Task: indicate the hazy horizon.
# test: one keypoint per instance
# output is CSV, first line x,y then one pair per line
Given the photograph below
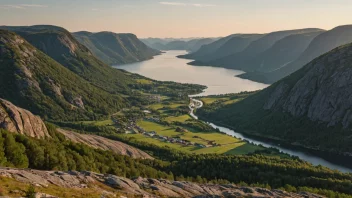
x,y
178,18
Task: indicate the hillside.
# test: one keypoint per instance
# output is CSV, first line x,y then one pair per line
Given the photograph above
x,y
238,60
321,44
311,107
171,173
209,48
99,142
282,52
196,44
116,49
61,46
234,45
32,80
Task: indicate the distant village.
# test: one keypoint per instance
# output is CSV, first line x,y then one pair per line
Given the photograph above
x,y
131,127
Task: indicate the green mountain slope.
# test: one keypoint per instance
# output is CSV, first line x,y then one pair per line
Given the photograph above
x,y
32,80
209,48
321,44
60,45
116,49
238,60
311,107
234,45
196,44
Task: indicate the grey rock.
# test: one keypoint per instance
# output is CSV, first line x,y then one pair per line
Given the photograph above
x,y
141,187
18,120
323,93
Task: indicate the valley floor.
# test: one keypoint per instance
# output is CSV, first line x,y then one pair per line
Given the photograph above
x,y
168,123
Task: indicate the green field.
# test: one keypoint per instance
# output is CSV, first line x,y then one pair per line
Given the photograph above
x,y
182,118
210,100
144,81
227,144
100,123
160,106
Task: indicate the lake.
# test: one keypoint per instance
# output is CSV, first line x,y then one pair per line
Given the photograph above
x,y
167,67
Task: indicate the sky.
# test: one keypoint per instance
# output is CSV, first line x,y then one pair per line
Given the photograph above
x,y
178,18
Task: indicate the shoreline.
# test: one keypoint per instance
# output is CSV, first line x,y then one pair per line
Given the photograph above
x,y
310,155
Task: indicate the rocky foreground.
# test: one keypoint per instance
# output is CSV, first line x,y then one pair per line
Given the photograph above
x,y
139,186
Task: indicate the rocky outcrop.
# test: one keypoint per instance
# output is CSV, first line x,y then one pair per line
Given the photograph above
x,y
18,120
321,91
105,144
141,186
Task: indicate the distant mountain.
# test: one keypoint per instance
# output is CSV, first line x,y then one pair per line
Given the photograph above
x,y
238,60
196,44
32,80
282,52
116,49
233,45
152,41
321,44
176,45
61,46
208,49
311,107
190,45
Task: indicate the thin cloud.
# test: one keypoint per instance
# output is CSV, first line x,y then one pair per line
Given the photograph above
x,y
186,4
22,6
203,5
173,3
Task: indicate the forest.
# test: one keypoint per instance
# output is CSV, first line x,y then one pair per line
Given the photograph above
x,y
257,169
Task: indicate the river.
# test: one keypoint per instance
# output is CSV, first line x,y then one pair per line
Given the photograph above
x,y
167,67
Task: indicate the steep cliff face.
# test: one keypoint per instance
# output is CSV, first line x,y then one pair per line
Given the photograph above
x,y
322,93
18,120
116,49
311,107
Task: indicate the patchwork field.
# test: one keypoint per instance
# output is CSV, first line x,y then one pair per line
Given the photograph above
x,y
181,126
168,124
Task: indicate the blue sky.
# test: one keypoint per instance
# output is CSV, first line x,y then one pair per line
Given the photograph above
x,y
178,18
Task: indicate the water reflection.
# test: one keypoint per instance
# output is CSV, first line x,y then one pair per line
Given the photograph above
x,y
167,67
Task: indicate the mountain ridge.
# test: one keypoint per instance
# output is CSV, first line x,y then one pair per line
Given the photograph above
x,y
321,44
116,49
32,80
60,45
314,98
237,60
